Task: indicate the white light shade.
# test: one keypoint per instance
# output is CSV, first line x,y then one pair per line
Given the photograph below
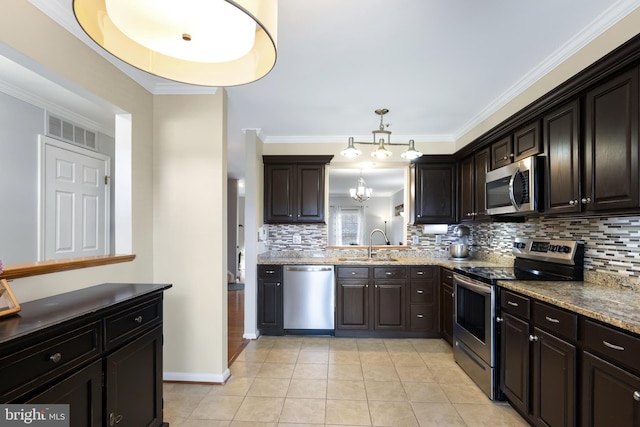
x,y
361,192
381,152
202,42
411,153
351,151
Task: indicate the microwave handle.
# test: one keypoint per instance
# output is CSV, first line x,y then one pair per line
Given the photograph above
x,y
511,194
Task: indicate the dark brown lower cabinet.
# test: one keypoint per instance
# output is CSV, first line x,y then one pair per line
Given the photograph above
x,y
514,372
554,380
610,394
446,305
270,314
353,304
389,303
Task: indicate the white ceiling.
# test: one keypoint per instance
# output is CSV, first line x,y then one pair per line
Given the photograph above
x,y
439,66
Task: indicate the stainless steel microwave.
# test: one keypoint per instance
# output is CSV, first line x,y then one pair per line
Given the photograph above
x,y
515,189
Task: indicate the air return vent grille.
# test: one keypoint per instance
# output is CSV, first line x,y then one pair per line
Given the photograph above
x,y
68,132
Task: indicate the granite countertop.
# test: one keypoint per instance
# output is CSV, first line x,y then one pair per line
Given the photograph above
x,y
615,306
442,262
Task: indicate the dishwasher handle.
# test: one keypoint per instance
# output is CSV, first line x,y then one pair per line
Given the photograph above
x,y
308,268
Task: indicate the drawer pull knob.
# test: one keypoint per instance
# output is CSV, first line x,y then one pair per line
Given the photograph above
x,y
636,396
353,273
278,284
270,271
551,319
114,419
613,346
420,273
419,316
55,358
138,319
420,291
499,319
513,304
533,338
388,273
449,276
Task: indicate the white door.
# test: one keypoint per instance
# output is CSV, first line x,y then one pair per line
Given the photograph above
x,y
74,201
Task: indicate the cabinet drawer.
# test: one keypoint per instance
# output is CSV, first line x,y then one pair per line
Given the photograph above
x,y
615,345
353,272
389,272
422,272
421,292
421,316
446,276
35,365
556,320
269,271
127,323
515,304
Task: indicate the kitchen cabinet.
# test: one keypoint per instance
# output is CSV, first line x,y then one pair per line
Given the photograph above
x,y
434,180
99,351
611,144
524,142
473,171
562,159
610,376
294,189
389,298
270,297
446,305
352,296
423,303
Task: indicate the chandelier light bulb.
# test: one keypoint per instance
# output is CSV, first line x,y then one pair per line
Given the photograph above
x,y
351,151
381,152
411,153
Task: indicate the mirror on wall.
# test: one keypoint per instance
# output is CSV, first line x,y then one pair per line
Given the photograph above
x,y
350,221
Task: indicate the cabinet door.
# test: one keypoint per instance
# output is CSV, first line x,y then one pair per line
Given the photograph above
x,y
133,382
608,394
270,304
435,193
446,312
501,152
279,191
482,163
526,141
554,381
353,304
611,145
562,158
310,193
82,391
467,186
514,373
389,305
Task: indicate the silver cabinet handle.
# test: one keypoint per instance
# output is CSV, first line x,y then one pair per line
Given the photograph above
x,y
138,319
419,216
449,276
613,346
353,273
499,319
55,358
420,291
270,271
636,396
388,273
278,284
586,200
514,304
453,295
533,338
420,273
419,316
505,158
551,319
114,419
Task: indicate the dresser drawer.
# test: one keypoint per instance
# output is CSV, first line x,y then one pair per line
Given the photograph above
x,y
611,343
515,304
353,272
269,271
390,272
421,292
556,320
129,322
37,364
446,276
421,316
422,272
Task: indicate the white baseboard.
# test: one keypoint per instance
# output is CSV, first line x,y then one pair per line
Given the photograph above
x,y
197,378
252,336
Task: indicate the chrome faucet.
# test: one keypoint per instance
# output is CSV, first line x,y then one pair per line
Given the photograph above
x,y
371,238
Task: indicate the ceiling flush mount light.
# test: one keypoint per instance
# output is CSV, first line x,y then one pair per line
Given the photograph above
x,y
361,192
200,42
381,138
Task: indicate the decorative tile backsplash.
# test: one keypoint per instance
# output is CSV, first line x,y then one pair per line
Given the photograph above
x,y
612,245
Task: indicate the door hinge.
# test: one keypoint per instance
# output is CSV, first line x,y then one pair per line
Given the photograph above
x,y
106,179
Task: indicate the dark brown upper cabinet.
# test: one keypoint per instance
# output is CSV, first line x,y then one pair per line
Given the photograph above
x,y
611,144
434,183
524,142
294,189
562,159
473,174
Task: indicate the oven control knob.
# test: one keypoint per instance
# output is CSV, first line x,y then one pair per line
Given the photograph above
x,y
553,248
565,249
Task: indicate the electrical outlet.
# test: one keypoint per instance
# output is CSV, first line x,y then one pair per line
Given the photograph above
x,y
297,239
415,240
438,239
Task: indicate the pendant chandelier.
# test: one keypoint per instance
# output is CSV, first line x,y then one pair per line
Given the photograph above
x,y
361,192
200,42
381,138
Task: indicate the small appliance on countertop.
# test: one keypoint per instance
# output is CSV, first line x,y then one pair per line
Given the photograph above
x,y
460,250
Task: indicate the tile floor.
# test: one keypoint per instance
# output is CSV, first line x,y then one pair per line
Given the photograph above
x,y
316,381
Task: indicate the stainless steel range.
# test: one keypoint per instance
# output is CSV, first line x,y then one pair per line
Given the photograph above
x,y
476,302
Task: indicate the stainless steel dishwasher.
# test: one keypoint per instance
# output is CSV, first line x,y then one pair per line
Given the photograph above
x,y
308,299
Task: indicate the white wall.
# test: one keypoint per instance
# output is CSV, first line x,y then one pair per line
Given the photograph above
x,y
190,229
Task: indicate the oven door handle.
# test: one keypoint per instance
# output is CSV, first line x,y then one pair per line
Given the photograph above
x,y
480,288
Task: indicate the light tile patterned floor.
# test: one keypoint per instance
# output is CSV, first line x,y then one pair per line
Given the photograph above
x,y
316,381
